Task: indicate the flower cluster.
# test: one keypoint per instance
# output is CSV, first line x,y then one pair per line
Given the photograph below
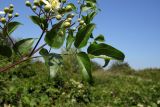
x,y
7,14
52,4
55,9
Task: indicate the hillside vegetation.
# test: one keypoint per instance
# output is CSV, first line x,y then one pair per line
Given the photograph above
x,y
119,86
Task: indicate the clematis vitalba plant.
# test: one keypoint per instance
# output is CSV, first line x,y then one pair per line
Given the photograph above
x,y
63,23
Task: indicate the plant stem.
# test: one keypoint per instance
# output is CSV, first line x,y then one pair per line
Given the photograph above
x,y
81,9
37,43
39,48
17,63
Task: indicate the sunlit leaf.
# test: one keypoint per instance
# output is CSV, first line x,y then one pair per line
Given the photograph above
x,y
100,38
83,36
104,49
70,40
11,27
24,46
85,64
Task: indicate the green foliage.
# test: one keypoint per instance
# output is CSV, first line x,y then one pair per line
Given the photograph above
x,y
121,68
83,36
41,22
24,46
55,38
28,85
70,40
5,51
150,73
124,90
100,38
104,49
88,19
70,62
96,66
85,64
11,27
72,23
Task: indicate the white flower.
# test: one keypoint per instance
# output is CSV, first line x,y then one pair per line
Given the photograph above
x,y
53,4
158,102
73,100
140,105
2,12
80,86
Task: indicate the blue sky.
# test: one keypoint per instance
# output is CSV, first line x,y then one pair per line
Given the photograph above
x,y
132,26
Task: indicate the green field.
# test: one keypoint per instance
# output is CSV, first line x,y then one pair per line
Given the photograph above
x,y
120,86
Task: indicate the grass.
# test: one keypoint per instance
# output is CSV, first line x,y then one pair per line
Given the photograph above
x,y
119,86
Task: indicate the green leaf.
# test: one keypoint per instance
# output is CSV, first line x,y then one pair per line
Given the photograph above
x,y
106,62
11,27
83,36
36,20
53,62
41,22
55,38
87,19
85,64
70,40
57,25
105,58
107,50
5,51
91,1
24,46
53,69
100,38
85,8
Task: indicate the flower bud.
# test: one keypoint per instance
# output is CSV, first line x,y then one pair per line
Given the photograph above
x,y
11,10
81,22
70,15
84,24
69,19
47,8
67,24
60,33
68,8
41,2
10,15
28,4
36,3
58,17
3,20
16,15
11,6
6,9
74,29
34,8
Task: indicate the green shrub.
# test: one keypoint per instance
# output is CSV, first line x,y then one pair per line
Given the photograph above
x,y
149,73
120,68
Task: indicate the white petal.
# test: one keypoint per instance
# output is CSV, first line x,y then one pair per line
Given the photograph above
x,y
2,12
46,2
